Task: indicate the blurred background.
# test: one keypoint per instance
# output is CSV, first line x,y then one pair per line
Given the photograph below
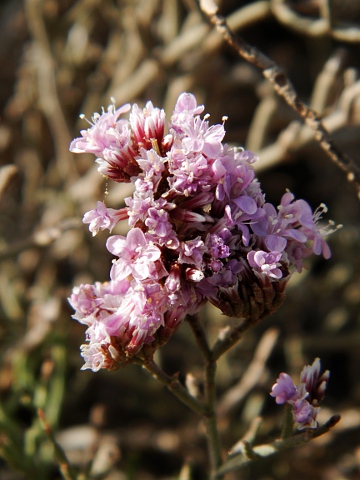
x,y
62,58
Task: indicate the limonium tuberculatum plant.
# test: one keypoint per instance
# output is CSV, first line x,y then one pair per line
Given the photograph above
x,y
200,231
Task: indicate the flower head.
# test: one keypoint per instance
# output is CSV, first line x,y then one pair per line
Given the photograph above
x,y
314,382
200,230
109,138
284,389
305,397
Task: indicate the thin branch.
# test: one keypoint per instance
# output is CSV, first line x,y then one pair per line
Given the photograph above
x,y
241,18
48,94
296,135
229,337
174,385
189,39
210,419
40,239
320,27
213,438
284,88
207,408
249,453
322,98
200,336
67,471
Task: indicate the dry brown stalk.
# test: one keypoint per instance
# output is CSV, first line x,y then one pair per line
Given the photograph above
x,y
282,85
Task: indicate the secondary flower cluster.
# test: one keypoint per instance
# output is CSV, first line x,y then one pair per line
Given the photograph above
x,y
305,397
200,230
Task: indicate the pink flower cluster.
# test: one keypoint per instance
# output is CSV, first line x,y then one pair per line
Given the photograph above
x,y
305,397
200,231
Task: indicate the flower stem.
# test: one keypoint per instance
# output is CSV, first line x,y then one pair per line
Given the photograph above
x,y
200,336
207,408
173,384
231,337
210,418
213,437
240,461
288,422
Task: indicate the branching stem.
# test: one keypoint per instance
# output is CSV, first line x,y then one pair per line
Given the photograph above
x,y
200,336
174,385
230,338
213,437
285,89
210,418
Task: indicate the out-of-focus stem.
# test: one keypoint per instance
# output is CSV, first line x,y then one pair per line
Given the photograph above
x,y
251,376
48,93
66,469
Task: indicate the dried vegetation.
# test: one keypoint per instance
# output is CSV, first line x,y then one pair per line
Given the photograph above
x,y
62,58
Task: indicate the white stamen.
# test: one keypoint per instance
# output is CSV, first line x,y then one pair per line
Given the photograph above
x,y
324,207
82,116
238,149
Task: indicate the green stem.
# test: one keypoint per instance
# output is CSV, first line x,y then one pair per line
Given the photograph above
x,y
288,422
200,336
231,337
264,451
173,384
206,409
213,437
210,418
66,470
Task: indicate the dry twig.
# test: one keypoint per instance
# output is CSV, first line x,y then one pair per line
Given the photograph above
x,y
320,27
285,89
48,95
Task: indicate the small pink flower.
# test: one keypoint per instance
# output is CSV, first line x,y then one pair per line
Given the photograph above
x,y
137,257
305,397
265,263
102,218
284,389
148,125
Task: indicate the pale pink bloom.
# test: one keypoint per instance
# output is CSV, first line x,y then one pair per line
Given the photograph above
x,y
265,263
102,218
200,230
305,397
